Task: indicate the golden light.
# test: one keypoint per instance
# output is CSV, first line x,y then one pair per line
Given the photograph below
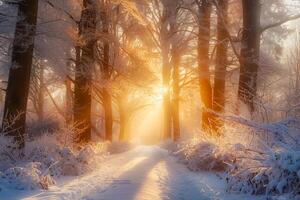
x,y
159,92
147,122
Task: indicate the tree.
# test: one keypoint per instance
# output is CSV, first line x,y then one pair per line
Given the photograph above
x,y
14,118
69,98
221,61
176,94
292,94
85,60
272,41
37,92
250,48
127,107
106,74
175,62
204,17
166,68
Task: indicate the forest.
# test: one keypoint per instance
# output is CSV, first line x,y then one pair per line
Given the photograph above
x,y
149,99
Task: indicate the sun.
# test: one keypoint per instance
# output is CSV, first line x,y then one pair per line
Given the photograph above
x,y
159,92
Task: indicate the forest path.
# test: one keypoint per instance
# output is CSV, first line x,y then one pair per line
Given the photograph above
x,y
144,173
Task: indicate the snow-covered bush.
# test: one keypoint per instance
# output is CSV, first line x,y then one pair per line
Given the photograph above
x,y
8,153
46,158
271,165
29,176
199,154
260,159
76,163
270,172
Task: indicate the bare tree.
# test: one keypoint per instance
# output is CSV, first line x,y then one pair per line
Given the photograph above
x,y
166,68
82,88
249,57
19,74
106,75
204,23
37,92
221,61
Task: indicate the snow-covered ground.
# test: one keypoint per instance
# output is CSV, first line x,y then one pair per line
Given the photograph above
x,y
144,173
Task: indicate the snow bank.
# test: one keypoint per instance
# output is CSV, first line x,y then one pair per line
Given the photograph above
x,y
29,176
258,159
271,173
45,159
203,155
271,165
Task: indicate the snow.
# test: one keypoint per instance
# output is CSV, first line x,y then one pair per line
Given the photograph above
x,y
202,155
143,173
257,159
43,161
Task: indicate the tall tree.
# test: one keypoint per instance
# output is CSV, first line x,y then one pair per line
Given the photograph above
x,y
249,56
37,92
69,97
106,74
250,50
175,62
123,119
204,17
14,118
166,68
176,94
221,61
82,87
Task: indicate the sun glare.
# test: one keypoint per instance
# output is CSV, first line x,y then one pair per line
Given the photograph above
x,y
159,92
148,125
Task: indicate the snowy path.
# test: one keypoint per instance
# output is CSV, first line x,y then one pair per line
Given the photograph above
x,y
145,173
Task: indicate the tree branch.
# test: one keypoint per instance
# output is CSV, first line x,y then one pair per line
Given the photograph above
x,y
263,29
64,11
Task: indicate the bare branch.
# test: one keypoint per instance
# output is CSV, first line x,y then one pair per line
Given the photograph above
x,y
263,29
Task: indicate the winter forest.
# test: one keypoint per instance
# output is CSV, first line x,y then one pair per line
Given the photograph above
x,y
149,99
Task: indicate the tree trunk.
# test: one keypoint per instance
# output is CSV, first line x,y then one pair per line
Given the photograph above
x,y
68,101
176,96
14,118
107,104
36,91
69,96
203,63
249,58
107,100
122,122
41,93
221,62
82,95
166,73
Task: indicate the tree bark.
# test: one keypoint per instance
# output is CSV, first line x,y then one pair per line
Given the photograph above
x,y
68,101
166,73
36,91
82,95
221,62
176,96
14,118
107,104
107,100
249,58
122,136
41,93
203,62
69,95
